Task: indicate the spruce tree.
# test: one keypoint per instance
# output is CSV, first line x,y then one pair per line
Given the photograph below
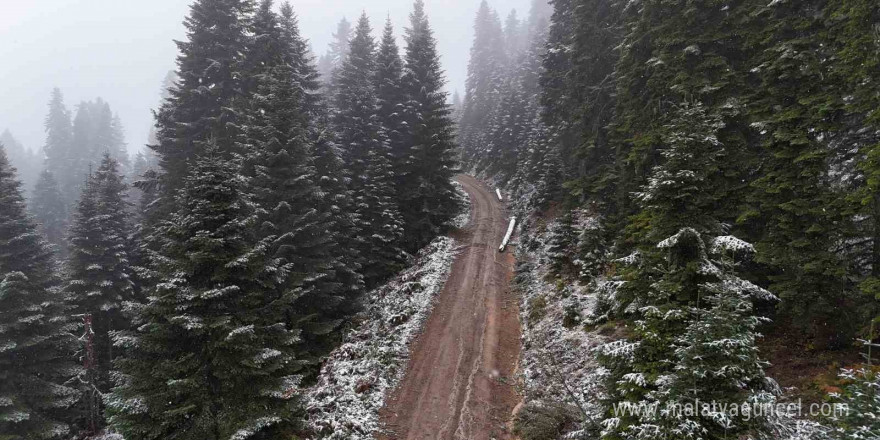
x,y
683,279
485,70
300,231
389,92
366,154
852,37
36,341
213,356
342,283
303,62
59,136
199,109
24,160
507,134
99,272
792,208
330,63
428,200
583,126
50,211
856,407
561,244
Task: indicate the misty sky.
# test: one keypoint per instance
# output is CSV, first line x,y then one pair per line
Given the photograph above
x,y
121,49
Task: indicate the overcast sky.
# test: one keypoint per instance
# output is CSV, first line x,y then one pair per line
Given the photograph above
x,y
121,49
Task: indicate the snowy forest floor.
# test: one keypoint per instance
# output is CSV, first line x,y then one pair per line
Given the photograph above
x,y
560,376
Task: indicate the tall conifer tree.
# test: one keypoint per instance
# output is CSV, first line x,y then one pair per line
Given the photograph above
x,y
213,356
428,200
99,272
36,341
50,210
389,91
200,108
367,154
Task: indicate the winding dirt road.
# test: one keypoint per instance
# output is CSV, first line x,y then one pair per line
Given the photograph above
x,y
459,383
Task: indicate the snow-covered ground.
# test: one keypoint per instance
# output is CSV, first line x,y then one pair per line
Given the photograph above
x,y
557,363
357,376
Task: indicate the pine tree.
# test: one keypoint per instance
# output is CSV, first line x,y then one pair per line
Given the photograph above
x,y
213,356
590,106
99,272
507,134
366,154
428,200
514,39
36,344
856,407
137,195
355,104
854,40
50,211
79,159
95,131
342,283
345,283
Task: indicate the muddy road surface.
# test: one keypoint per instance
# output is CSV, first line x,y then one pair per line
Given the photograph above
x,y
460,380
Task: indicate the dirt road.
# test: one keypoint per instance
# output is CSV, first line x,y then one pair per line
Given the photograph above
x,y
459,383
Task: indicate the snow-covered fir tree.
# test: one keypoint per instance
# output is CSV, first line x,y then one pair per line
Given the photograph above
x,y
485,75
299,229
791,198
26,161
99,274
36,336
307,75
682,280
59,136
367,157
561,244
389,92
213,355
856,407
199,109
95,131
50,210
329,63
427,200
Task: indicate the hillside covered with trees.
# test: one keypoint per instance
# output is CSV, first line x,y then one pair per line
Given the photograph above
x,y
707,172
694,185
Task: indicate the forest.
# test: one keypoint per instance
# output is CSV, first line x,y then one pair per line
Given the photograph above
x,y
695,186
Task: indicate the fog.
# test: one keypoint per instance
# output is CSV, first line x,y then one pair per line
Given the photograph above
x,y
121,50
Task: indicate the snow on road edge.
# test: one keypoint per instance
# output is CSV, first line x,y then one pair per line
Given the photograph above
x,y
356,377
353,383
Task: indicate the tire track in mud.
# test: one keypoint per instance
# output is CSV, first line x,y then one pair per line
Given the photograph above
x,y
459,381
